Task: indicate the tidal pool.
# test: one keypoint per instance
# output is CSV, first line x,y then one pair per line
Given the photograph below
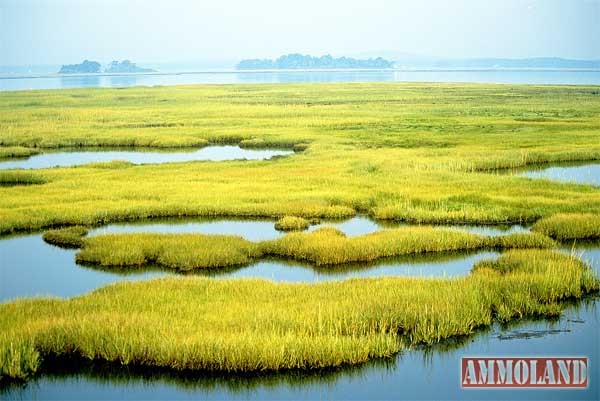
x,y
423,373
30,267
580,173
250,229
139,156
264,229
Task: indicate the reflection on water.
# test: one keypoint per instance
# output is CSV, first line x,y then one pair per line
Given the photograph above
x,y
140,156
250,77
261,229
438,264
580,173
424,373
250,229
30,267
489,230
359,225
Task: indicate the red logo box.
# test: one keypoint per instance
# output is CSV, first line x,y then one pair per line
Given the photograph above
x,y
544,372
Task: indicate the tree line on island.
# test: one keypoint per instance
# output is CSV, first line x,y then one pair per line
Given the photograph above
x,y
299,61
94,67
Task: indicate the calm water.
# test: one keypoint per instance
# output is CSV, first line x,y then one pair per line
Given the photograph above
x,y
74,158
580,173
30,267
236,77
420,374
260,230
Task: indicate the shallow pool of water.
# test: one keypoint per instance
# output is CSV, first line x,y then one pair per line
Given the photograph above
x,y
30,267
580,173
140,156
439,264
250,229
420,374
264,229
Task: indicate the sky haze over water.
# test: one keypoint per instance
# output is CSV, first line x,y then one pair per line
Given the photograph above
x,y
223,32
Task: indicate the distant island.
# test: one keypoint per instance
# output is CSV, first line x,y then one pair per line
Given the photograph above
x,y
87,67
299,61
125,66
94,67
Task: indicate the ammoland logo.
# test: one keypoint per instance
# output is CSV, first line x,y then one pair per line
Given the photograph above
x,y
544,372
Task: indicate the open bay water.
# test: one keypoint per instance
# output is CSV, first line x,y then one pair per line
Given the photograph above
x,y
570,77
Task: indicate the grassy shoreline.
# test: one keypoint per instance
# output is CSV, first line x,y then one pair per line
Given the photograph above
x,y
397,151
326,246
255,325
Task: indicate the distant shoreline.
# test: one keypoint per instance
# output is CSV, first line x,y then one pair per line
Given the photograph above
x,y
287,71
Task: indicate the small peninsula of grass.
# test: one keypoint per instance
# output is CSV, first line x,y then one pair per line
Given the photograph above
x,y
69,237
329,246
292,223
565,227
325,246
253,325
8,152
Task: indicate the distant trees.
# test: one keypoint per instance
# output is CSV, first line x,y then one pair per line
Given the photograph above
x,y
125,66
299,61
87,67
92,67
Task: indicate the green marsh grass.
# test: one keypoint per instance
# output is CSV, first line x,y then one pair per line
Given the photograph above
x,y
9,152
329,246
414,152
175,251
11,178
292,223
68,237
256,325
570,226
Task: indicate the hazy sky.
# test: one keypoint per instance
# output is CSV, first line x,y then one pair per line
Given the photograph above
x,y
67,31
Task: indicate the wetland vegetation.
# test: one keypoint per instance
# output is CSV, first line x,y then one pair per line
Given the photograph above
x,y
399,151
292,223
325,246
255,325
412,153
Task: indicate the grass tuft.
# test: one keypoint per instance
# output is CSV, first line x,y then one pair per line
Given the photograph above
x,y
292,223
12,178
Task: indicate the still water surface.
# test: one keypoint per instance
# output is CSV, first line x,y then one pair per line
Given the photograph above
x,y
580,173
30,267
139,156
299,76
